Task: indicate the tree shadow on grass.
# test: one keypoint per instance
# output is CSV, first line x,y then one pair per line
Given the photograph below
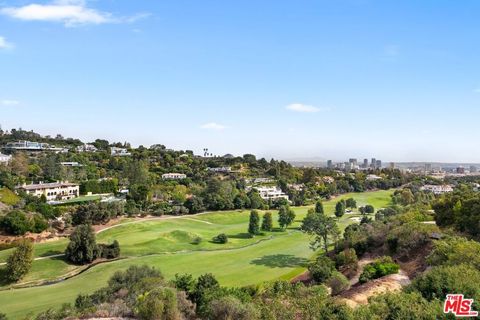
x,y
281,261
240,236
3,277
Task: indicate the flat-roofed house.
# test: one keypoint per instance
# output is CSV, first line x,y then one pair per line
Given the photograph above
x,y
5,159
271,193
119,152
52,191
173,176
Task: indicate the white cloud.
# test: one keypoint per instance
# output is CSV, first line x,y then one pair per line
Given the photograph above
x,y
213,126
9,102
69,12
4,44
299,107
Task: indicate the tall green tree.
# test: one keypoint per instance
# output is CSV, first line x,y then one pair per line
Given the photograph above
x,y
82,248
20,262
267,223
319,207
351,203
286,216
254,224
340,209
321,227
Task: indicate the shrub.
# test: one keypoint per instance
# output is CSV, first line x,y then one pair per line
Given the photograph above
x,y
231,308
20,262
221,238
109,251
379,268
160,303
321,269
346,259
338,283
369,209
196,240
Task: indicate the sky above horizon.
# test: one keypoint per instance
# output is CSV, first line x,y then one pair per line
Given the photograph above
x,y
395,80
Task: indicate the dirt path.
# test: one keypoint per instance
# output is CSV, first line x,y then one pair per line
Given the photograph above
x,y
359,293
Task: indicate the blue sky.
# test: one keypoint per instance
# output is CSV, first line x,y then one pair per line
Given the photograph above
x,y
396,80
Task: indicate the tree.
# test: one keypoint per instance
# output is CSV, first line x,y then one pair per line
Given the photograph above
x,y
286,216
321,226
256,202
20,262
267,223
82,248
369,209
351,203
319,207
338,283
340,209
254,224
194,204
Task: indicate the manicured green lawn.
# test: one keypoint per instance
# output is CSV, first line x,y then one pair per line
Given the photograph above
x,y
167,245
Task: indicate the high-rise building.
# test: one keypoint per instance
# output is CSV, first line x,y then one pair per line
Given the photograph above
x,y
365,163
428,167
392,165
378,164
329,164
373,163
353,161
460,170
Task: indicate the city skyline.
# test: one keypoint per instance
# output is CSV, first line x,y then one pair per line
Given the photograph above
x,y
319,79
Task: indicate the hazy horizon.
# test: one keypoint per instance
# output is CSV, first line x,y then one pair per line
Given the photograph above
x,y
318,79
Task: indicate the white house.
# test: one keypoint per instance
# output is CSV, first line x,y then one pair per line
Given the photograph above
x,y
173,176
271,193
373,177
31,146
87,148
220,169
5,159
114,151
437,189
52,191
71,164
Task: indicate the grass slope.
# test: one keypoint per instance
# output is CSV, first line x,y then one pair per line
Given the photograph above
x,y
167,245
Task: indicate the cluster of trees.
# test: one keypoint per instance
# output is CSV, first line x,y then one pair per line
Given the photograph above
x,y
83,247
142,292
286,216
459,210
97,212
17,222
201,190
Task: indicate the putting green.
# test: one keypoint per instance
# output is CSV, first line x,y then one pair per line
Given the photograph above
x,y
167,244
